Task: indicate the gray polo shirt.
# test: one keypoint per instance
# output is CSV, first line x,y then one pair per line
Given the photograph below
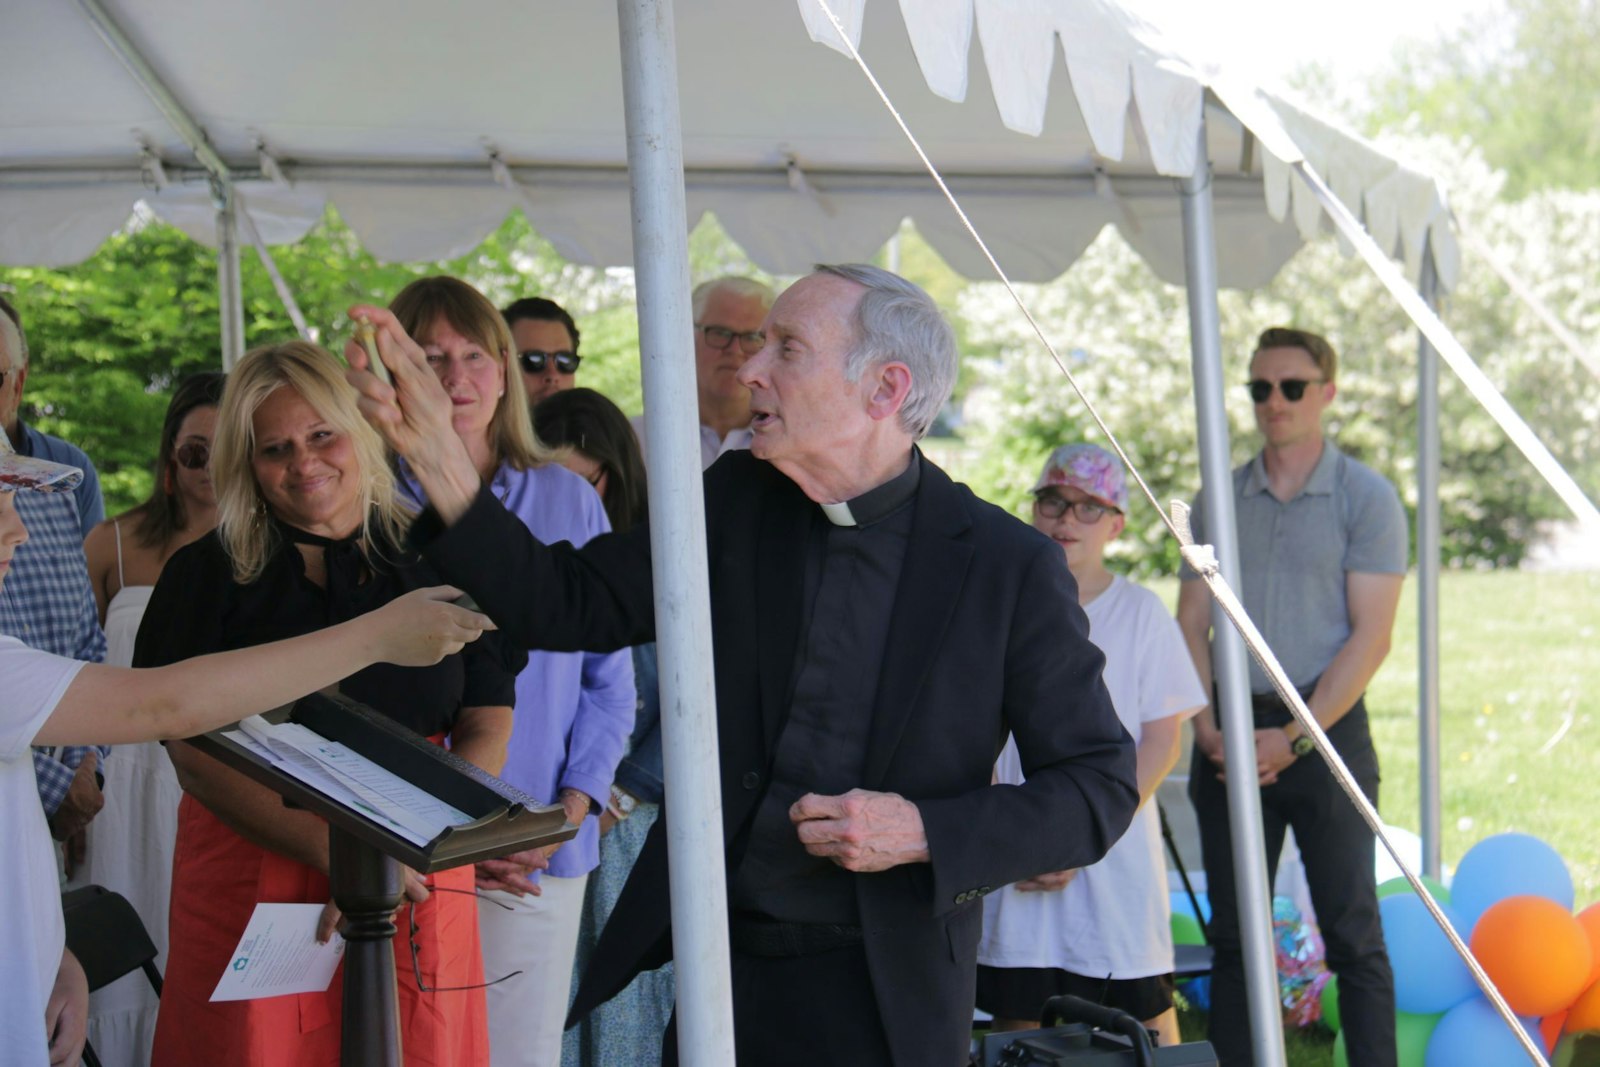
x,y
1295,555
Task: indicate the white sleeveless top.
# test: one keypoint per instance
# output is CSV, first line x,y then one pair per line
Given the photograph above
x,y
130,847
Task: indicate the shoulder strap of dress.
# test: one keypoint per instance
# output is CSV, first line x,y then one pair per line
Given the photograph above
x,y
116,528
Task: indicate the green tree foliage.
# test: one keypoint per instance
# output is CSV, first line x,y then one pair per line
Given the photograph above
x,y
1533,108
111,336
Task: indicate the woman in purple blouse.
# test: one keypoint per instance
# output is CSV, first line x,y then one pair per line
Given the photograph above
x,y
574,710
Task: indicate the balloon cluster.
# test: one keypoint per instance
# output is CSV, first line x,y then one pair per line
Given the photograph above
x,y
1512,900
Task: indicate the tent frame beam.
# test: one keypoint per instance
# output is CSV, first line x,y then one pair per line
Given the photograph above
x,y
1084,184
230,289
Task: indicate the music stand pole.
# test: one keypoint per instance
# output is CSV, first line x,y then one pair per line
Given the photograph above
x,y
367,889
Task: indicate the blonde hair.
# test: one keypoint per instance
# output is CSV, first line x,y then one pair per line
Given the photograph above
x,y
241,510
470,314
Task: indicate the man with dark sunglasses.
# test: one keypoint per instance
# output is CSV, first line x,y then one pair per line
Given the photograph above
x,y
1323,553
49,601
547,346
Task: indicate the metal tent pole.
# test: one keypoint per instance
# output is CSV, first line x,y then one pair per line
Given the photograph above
x,y
1428,542
677,532
1229,664
230,289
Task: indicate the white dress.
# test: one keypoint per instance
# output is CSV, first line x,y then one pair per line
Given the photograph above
x,y
130,850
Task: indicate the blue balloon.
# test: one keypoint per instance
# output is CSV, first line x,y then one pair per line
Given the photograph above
x,y
1472,1034
1428,975
1508,865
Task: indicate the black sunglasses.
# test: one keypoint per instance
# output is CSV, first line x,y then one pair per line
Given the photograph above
x,y
1292,388
192,455
533,361
416,950
720,337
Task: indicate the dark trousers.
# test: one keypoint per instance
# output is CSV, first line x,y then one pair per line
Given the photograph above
x,y
1337,849
801,1011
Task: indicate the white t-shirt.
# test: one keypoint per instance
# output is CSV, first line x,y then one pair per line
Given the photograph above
x,y
31,933
1114,917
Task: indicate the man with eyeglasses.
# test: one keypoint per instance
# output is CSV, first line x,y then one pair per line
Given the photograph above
x,y
48,602
1323,553
547,346
728,313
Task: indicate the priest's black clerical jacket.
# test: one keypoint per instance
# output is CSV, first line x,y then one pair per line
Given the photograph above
x,y
985,638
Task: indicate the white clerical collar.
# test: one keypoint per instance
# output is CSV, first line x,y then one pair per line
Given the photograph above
x,y
876,504
839,514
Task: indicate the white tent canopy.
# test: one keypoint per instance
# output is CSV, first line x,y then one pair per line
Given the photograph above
x,y
424,125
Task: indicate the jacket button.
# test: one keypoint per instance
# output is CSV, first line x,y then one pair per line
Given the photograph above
x,y
750,780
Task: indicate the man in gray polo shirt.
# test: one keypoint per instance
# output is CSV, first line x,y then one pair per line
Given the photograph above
x,y
1322,551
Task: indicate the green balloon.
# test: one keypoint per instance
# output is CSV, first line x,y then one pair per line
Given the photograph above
x,y
1400,885
1411,1034
1330,1003
1186,930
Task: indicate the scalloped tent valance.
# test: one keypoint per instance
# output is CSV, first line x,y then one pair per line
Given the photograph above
x,y
425,125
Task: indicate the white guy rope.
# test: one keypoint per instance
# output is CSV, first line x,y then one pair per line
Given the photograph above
x,y
1203,560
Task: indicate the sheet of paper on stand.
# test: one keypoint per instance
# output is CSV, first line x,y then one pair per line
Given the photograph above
x,y
350,778
279,953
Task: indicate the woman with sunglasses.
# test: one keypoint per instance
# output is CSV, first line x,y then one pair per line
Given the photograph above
x,y
574,710
310,532
128,847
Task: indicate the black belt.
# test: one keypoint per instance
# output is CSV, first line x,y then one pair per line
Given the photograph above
x,y
1270,710
769,938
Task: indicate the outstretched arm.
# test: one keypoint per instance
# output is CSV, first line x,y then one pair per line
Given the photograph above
x,y
117,705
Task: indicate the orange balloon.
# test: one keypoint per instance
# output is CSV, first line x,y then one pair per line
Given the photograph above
x,y
1550,1029
1589,919
1536,953
1584,1015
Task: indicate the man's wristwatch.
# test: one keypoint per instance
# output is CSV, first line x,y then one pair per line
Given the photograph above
x,y
622,802
1302,745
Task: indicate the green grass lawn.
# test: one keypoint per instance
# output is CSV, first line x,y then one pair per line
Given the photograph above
x,y
1519,680
1520,741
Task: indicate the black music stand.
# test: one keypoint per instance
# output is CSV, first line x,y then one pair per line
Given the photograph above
x,y
364,857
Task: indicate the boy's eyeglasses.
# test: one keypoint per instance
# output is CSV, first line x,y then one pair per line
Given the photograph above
x,y
416,950
1052,506
1291,388
533,360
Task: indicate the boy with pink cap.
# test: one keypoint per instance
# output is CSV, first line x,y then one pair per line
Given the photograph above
x,y
1103,932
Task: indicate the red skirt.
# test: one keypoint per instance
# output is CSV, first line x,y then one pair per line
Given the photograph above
x,y
218,878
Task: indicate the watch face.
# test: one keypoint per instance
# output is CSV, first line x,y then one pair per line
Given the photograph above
x,y
1303,745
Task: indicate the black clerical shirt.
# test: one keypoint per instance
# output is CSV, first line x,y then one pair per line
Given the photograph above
x,y
851,576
